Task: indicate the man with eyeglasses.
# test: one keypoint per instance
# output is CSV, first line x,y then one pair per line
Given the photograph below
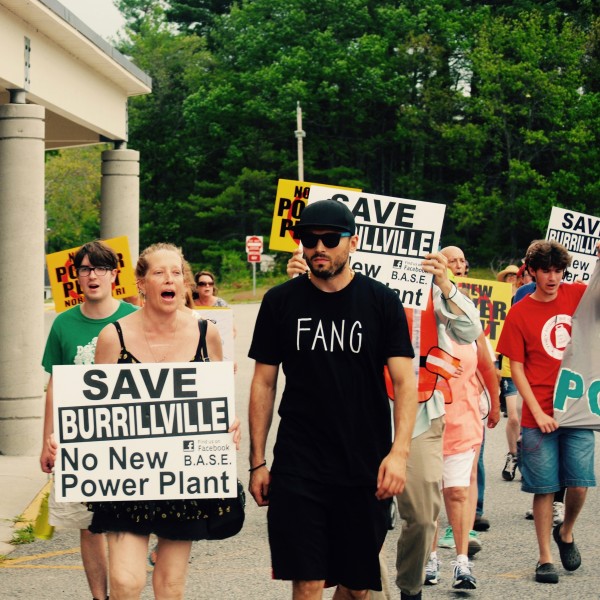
x,y
335,467
72,341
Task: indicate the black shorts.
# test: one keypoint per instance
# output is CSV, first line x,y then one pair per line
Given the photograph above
x,y
326,532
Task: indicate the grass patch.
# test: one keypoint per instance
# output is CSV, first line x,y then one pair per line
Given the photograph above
x,y
19,519
240,294
481,273
23,535
243,293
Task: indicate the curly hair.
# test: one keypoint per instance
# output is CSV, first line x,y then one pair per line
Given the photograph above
x,y
544,254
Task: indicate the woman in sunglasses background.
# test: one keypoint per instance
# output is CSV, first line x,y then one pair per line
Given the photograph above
x,y
206,291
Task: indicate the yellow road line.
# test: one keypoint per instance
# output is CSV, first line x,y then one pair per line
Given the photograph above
x,y
515,574
23,559
61,567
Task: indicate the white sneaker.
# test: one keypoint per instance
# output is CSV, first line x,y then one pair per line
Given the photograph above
x,y
432,571
558,513
510,467
463,578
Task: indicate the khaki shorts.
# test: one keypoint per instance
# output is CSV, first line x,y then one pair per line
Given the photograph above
x,y
68,515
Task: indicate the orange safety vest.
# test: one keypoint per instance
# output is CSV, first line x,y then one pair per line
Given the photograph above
x,y
436,366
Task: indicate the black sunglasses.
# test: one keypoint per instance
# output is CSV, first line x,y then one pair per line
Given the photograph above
x,y
205,283
330,240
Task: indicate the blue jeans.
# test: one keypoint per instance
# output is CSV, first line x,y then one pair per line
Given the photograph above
x,y
563,458
480,479
508,387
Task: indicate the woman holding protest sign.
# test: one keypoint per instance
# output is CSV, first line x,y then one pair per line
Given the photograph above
x,y
159,333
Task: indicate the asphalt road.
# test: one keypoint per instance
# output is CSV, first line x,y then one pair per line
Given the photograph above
x,y
239,568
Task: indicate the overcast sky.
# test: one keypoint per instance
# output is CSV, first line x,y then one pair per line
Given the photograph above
x,y
99,15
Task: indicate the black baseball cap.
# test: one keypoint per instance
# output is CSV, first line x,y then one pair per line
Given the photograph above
x,y
326,214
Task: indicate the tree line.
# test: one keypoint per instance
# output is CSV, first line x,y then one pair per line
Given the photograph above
x,y
491,108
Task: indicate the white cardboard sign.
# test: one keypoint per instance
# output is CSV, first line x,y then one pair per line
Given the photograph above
x,y
578,233
394,235
144,431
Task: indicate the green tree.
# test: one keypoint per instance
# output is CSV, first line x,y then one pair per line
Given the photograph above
x,y
196,16
491,111
169,172
140,16
527,132
72,197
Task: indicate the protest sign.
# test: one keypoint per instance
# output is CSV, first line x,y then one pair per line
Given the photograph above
x,y
492,298
144,431
222,317
577,389
394,235
63,277
292,197
578,233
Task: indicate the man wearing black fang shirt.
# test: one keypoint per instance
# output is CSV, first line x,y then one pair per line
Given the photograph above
x,y
336,466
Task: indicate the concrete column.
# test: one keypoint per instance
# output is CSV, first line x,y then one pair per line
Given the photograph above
x,y
120,197
22,133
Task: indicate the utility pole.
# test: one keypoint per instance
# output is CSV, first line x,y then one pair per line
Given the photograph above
x,y
300,133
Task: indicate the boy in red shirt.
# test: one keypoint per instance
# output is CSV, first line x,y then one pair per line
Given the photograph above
x,y
535,334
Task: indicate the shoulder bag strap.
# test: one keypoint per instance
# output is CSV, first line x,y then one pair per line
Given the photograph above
x,y
202,352
119,333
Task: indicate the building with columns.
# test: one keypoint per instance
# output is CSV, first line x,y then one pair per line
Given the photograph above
x,y
61,85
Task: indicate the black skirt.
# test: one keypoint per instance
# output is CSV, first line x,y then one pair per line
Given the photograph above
x,y
169,519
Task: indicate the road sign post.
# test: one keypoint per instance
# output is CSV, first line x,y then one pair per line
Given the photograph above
x,y
254,246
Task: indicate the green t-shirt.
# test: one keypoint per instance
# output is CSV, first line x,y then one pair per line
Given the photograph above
x,y
73,336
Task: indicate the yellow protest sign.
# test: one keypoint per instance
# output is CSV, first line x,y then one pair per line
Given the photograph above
x,y
492,298
292,197
63,277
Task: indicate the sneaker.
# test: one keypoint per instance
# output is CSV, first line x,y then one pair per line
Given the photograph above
x,y
546,573
447,540
529,514
510,467
474,543
558,513
432,571
481,523
463,578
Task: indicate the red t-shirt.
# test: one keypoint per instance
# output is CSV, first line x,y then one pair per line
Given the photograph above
x,y
536,333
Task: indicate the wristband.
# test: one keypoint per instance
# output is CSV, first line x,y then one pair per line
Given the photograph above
x,y
451,294
264,464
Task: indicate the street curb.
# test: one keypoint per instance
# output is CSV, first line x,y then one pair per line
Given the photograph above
x,y
29,516
31,512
